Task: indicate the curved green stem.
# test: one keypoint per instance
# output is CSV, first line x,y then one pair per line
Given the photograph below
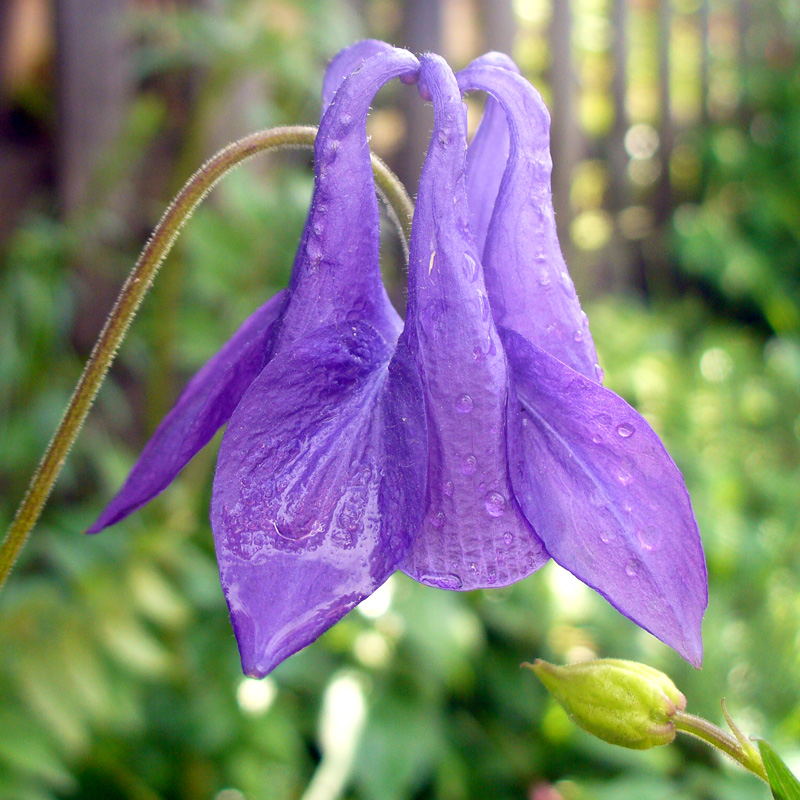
x,y
716,737
133,292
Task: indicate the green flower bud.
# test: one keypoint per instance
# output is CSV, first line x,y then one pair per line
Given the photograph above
x,y
621,702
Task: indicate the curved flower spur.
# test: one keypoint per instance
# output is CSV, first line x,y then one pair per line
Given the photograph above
x,y
350,453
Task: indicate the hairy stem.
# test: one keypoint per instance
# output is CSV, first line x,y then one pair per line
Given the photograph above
x,y
716,737
135,288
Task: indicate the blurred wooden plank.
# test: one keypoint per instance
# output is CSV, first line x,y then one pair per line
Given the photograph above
x,y
95,84
421,32
499,25
663,198
566,140
619,265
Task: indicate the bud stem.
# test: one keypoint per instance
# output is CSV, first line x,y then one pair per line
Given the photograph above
x,y
135,288
716,737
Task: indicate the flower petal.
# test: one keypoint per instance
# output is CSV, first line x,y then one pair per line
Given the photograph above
x,y
319,488
487,156
529,287
336,276
336,273
473,534
605,497
346,61
204,405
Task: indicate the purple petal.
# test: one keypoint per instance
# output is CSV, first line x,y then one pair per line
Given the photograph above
x,y
346,61
473,534
319,488
529,287
336,273
605,497
487,156
204,406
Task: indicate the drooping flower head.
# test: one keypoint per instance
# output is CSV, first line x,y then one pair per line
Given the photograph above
x,y
464,447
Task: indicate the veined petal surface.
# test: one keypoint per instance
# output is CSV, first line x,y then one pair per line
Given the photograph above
x,y
473,534
204,406
605,497
336,274
346,61
321,475
487,156
319,488
529,287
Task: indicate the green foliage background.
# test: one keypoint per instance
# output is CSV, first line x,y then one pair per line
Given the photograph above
x,y
119,676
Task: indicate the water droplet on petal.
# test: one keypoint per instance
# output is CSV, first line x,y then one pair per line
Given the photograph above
x,y
597,438
508,537
450,581
632,567
599,374
544,279
606,537
495,504
625,430
464,404
438,519
470,267
492,575
469,465
649,537
578,336
624,477
448,489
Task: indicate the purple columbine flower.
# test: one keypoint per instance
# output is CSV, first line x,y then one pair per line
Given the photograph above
x,y
465,447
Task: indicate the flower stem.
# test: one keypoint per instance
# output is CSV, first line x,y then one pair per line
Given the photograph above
x,y
716,737
135,288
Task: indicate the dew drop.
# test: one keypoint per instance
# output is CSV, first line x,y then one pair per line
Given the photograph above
x,y
625,430
597,438
508,537
544,279
624,477
578,336
599,374
470,267
450,581
495,504
448,489
632,567
649,537
464,404
469,465
473,567
437,520
606,537
491,575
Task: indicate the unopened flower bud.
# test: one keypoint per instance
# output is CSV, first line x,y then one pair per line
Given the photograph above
x,y
621,702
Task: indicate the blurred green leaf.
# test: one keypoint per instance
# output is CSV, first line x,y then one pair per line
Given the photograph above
x,y
783,783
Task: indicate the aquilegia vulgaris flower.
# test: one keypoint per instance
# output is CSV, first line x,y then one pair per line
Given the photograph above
x,y
464,446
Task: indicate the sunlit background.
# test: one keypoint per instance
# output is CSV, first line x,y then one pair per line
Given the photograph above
x,y
676,137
